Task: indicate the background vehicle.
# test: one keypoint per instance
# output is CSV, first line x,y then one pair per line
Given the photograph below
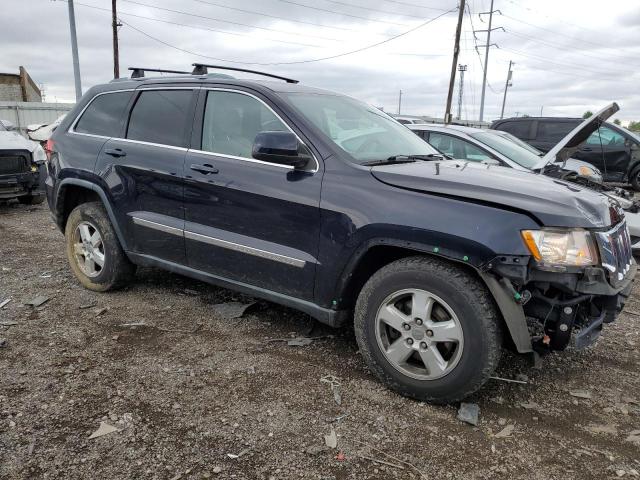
x,y
613,150
318,201
407,119
22,170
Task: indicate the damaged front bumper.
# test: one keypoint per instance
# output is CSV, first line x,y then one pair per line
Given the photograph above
x,y
24,183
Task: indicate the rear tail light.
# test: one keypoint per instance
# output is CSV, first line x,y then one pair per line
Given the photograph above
x,y
48,148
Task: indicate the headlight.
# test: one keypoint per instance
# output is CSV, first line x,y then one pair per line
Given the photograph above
x,y
39,155
589,172
557,249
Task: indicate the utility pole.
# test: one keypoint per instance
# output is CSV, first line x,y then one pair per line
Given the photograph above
x,y
399,102
74,50
114,26
461,69
456,51
507,84
486,55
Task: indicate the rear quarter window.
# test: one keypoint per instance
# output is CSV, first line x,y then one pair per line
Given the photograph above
x,y
551,131
103,116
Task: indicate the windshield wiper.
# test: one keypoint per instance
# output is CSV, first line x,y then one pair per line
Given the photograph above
x,y
396,159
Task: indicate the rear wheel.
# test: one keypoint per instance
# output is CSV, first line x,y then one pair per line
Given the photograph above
x,y
634,179
428,329
93,249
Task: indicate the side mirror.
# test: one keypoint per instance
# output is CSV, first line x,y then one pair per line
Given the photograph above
x,y
280,147
490,161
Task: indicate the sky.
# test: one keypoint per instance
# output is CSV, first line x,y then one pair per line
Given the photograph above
x,y
569,56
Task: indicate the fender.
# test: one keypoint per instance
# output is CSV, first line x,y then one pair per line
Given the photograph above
x,y
103,197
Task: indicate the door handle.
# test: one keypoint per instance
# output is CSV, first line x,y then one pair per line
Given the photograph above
x,y
205,169
115,152
587,149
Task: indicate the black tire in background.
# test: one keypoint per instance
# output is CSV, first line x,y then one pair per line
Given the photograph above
x,y
117,270
473,306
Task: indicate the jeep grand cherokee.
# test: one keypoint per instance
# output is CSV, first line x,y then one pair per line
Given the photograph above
x,y
320,202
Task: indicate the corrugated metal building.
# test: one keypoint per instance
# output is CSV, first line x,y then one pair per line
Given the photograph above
x,y
22,114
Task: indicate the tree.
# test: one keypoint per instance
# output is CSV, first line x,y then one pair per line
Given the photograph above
x,y
587,114
634,126
617,122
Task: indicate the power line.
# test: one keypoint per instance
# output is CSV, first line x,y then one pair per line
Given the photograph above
x,y
387,12
196,27
407,4
227,21
253,12
291,2
344,54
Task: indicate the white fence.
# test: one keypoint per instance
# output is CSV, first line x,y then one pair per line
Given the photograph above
x,y
22,114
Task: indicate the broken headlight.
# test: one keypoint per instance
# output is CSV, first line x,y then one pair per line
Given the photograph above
x,y
39,155
591,173
556,249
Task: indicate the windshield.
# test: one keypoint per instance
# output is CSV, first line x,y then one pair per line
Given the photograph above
x,y
363,131
517,141
512,151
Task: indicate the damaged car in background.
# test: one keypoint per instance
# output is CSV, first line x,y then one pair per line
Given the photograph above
x,y
22,169
501,148
323,203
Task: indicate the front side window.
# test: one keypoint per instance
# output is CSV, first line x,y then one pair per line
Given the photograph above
x,y
457,148
161,116
232,121
364,132
605,136
103,116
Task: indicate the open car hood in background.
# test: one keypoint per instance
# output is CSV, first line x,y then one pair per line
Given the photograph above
x,y
572,141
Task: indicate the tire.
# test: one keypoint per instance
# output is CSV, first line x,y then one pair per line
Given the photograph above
x,y
31,199
116,269
459,299
634,179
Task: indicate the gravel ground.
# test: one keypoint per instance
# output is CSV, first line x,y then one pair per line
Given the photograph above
x,y
195,395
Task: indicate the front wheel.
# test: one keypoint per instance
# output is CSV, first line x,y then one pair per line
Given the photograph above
x,y
428,329
634,179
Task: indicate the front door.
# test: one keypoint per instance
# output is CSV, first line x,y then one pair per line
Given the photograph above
x,y
246,220
144,171
607,150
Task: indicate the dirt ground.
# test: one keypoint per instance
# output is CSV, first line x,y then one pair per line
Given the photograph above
x,y
195,395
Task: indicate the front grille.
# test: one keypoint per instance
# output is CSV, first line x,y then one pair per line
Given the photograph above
x,y
615,251
13,162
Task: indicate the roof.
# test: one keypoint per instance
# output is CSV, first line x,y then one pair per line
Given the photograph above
x,y
444,128
520,119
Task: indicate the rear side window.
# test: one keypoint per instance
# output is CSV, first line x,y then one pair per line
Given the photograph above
x,y
161,116
553,131
104,114
520,128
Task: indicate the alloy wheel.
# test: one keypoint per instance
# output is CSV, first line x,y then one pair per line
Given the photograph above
x,y
88,249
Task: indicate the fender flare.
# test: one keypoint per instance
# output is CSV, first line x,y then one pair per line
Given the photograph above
x,y
103,197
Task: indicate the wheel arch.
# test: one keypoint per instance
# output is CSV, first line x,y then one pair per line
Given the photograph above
x,y
75,191
381,252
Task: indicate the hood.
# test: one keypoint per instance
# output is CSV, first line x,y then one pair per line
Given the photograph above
x,y
572,141
552,202
15,141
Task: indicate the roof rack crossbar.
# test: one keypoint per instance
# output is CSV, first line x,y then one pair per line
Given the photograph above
x,y
201,69
138,72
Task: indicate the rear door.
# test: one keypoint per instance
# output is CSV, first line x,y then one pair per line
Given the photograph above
x,y
144,171
247,220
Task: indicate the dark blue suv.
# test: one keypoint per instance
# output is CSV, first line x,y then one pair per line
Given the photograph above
x,y
318,201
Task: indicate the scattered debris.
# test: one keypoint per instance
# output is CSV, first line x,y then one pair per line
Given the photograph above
x,y
334,383
32,445
341,457
4,302
8,323
133,325
233,456
230,310
468,413
316,449
505,432
45,275
530,405
3,342
608,429
37,301
410,465
586,394
88,305
216,470
522,377
337,397
331,440
104,429
509,380
299,342
100,311
189,291
377,460
251,370
634,437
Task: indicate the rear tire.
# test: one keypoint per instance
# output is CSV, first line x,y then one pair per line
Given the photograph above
x,y
31,199
634,179
93,249
454,344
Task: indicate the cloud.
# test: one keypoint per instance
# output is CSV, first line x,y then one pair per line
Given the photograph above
x,y
567,60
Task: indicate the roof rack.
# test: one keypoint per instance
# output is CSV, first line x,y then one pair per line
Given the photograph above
x,y
201,69
138,72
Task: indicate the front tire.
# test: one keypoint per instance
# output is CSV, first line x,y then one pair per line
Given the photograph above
x,y
93,249
634,179
428,329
